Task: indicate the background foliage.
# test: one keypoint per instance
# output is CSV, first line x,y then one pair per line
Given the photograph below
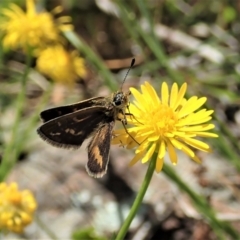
x,y
175,41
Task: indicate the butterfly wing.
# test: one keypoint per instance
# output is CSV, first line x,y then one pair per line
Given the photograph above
x,y
98,150
70,130
52,113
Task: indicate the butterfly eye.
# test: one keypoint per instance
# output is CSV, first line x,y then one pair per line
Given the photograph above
x,y
118,99
117,103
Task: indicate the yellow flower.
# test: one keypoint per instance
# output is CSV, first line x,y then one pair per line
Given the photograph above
x,y
60,65
16,208
163,125
30,29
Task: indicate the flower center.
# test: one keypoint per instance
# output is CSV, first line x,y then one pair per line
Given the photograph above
x,y
163,120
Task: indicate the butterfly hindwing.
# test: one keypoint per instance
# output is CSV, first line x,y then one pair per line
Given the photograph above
x,y
98,150
70,130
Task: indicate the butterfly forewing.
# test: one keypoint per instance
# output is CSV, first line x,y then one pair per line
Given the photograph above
x,y
70,130
53,113
98,150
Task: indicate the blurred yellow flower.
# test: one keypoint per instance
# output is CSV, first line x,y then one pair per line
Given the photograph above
x,y
163,125
60,65
31,29
16,208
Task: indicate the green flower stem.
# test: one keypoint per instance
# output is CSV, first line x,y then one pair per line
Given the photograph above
x,y
84,48
201,203
7,160
123,231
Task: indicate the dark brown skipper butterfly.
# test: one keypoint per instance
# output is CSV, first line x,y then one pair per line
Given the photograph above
x,y
68,126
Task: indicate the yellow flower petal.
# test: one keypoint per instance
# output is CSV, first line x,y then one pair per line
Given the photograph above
x,y
152,94
162,150
149,153
172,153
181,93
60,65
142,147
31,28
197,128
166,123
165,93
16,208
206,134
197,144
136,158
159,164
173,96
191,105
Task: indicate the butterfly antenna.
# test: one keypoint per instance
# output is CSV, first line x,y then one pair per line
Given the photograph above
x,y
132,63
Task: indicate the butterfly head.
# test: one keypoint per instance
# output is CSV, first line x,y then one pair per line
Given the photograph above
x,y
120,99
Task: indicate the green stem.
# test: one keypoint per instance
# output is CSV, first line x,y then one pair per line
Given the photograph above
x,y
123,231
7,161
